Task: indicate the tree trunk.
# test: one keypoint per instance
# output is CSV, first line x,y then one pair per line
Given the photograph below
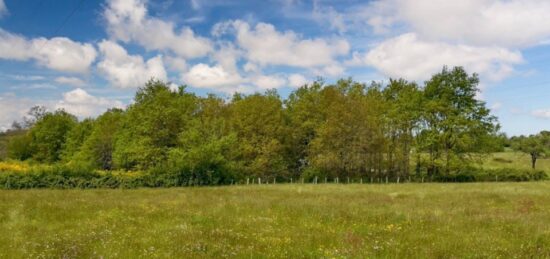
x,y
533,160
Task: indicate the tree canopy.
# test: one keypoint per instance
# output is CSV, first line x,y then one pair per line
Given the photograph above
x,y
345,129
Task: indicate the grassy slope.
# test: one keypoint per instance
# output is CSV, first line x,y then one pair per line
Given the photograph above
x,y
407,220
517,160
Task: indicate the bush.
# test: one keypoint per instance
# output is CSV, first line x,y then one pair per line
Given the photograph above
x,y
66,177
488,175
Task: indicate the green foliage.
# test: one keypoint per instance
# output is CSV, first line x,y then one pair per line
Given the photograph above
x,y
537,146
97,149
346,130
258,122
19,147
151,126
48,135
455,120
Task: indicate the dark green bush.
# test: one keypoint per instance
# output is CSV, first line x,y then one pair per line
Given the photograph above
x,y
64,177
491,175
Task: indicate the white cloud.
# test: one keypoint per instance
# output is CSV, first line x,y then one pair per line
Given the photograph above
x,y
329,15
213,77
73,81
268,82
227,56
3,8
175,63
126,71
14,108
59,53
415,59
296,80
507,23
82,104
264,45
541,113
127,20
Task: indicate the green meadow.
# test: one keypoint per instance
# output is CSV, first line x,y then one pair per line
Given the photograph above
x,y
430,220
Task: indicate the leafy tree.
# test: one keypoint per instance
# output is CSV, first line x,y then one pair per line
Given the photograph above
x,y
350,140
258,122
19,147
536,146
152,125
97,149
404,113
454,119
304,114
48,135
207,151
75,139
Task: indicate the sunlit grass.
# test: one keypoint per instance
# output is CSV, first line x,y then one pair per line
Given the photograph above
x,y
407,220
515,160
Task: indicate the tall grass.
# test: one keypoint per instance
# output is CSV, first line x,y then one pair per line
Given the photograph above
x,y
473,220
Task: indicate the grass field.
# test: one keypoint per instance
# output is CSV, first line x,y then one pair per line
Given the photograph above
x,y
322,221
515,160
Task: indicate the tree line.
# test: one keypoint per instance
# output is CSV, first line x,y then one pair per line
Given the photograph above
x,y
346,129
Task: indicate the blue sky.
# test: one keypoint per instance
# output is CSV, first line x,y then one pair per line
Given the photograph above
x,y
86,56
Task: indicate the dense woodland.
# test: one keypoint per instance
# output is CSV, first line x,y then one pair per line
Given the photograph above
x,y
342,130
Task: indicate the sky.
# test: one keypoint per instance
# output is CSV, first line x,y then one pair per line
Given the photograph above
x,y
86,56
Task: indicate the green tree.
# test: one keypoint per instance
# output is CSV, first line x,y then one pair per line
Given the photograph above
x,y
97,149
152,125
75,139
19,147
454,119
48,135
258,122
403,116
304,114
536,146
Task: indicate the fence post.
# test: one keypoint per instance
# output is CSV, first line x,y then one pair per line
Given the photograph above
x,y
259,180
386,179
398,179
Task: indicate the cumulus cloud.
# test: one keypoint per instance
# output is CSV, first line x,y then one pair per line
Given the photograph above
x,y
296,80
14,108
412,58
541,113
264,45
73,81
213,77
128,21
510,23
127,71
82,104
176,63
59,53
268,82
328,15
